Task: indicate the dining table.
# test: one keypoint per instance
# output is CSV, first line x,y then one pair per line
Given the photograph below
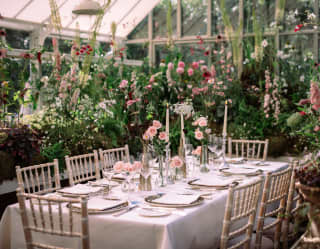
x,y
147,225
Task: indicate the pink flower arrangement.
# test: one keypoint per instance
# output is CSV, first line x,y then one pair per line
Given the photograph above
x,y
123,84
152,131
121,166
118,166
176,162
181,64
137,165
180,70
190,71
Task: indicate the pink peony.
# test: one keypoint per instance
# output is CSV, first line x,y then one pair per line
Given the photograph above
x,y
181,64
197,151
137,165
190,71
131,167
195,65
118,167
156,124
152,79
180,70
126,166
198,134
123,84
152,131
176,162
170,66
163,135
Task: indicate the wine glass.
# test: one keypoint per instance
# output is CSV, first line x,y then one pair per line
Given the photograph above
x,y
145,172
189,158
108,173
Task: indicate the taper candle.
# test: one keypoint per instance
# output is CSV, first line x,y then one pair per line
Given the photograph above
x,y
224,132
167,123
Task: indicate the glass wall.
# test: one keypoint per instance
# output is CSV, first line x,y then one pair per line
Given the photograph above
x,y
160,15
194,17
18,39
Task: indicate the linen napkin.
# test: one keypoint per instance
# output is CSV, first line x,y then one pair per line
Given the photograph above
x,y
213,182
176,199
236,160
80,189
100,182
99,204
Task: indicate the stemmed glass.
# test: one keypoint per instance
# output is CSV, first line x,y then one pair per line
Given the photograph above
x,y
189,159
108,173
212,148
145,172
220,151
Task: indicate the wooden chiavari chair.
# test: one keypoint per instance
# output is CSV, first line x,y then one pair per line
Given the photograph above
x,y
111,156
83,167
39,179
249,149
242,203
275,192
44,215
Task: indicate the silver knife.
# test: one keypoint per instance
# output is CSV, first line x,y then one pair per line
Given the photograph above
x,y
124,211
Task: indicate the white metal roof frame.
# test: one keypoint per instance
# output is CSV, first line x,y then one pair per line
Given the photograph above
x,y
35,14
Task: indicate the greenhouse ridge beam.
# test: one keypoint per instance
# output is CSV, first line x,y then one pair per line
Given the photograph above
x,y
23,8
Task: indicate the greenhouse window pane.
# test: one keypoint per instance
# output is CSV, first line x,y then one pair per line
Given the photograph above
x,y
296,47
194,17
296,13
162,52
193,52
64,45
140,31
232,9
160,19
18,39
137,51
265,14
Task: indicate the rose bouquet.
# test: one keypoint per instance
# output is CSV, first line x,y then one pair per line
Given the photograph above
x,y
157,137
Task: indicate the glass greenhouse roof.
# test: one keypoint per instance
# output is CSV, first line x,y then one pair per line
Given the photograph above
x,y
30,14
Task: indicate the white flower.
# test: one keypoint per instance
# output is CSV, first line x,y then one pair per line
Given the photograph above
x,y
253,55
302,78
264,43
162,64
311,16
102,105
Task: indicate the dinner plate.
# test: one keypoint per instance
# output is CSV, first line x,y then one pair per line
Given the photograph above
x,y
228,172
106,211
153,212
149,200
218,187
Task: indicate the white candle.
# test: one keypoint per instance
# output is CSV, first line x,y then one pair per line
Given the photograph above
x,y
167,123
224,132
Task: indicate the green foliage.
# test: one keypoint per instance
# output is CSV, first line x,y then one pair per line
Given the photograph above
x,y
55,151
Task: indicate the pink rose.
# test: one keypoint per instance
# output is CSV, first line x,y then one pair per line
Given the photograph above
x,y
195,65
204,68
180,70
198,134
170,65
126,166
152,131
146,136
190,71
197,151
148,87
130,102
156,124
163,135
137,165
176,162
203,123
118,167
131,167
123,84
181,64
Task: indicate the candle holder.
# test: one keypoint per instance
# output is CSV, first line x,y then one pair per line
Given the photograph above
x,y
224,164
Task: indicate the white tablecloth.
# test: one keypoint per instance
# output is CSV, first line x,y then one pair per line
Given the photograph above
x,y
195,227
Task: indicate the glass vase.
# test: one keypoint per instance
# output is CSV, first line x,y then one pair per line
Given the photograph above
x,y
161,171
204,159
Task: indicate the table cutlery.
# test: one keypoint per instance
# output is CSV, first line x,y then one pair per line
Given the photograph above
x,y
125,211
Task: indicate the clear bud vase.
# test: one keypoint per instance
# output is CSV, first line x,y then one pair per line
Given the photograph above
x,y
204,159
161,171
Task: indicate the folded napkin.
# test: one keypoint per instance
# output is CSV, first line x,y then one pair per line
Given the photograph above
x,y
99,204
176,199
236,160
100,182
213,182
236,170
80,189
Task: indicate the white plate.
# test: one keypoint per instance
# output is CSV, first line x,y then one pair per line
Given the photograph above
x,y
153,212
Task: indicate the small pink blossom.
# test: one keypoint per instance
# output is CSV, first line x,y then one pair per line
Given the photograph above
x,y
152,131
189,86
156,124
198,135
126,166
163,136
203,123
180,70
316,128
181,64
197,151
204,68
201,61
146,136
176,162
131,167
123,84
190,71
195,65
148,87
170,65
152,79
118,166
208,131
